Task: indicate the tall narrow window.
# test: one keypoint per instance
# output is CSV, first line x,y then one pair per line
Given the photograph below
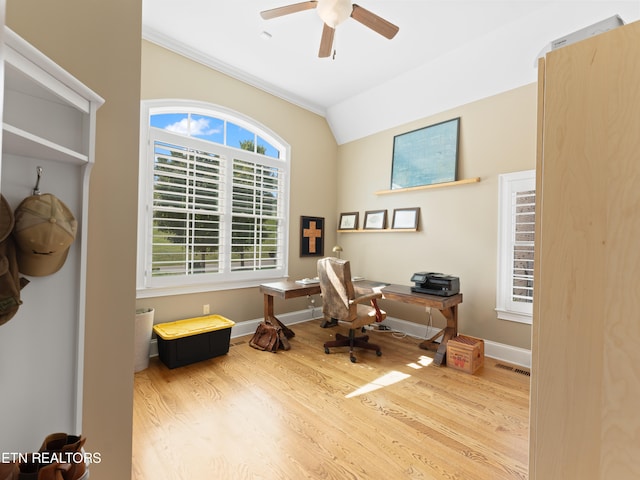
x,y
213,200
516,219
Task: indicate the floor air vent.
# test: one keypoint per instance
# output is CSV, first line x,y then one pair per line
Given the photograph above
x,y
517,370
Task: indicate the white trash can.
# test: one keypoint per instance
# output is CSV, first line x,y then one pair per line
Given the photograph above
x,y
144,327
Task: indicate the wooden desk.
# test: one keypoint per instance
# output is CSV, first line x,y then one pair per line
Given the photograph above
x,y
284,290
447,305
398,293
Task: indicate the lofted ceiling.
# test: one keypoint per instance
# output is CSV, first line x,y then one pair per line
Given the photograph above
x,y
446,53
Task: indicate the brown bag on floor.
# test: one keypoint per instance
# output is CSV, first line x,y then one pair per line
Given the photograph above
x,y
269,338
266,338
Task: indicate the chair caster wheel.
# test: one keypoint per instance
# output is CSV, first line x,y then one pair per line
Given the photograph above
x,y
379,353
353,359
326,350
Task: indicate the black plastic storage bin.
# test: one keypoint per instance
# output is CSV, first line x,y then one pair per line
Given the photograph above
x,y
193,339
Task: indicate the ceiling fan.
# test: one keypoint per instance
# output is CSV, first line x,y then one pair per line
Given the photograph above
x,y
332,13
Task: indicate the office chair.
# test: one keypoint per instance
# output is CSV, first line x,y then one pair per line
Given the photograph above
x,y
339,301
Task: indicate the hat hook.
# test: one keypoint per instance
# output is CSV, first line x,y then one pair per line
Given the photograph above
x,y
36,189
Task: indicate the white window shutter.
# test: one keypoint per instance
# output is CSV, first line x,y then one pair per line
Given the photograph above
x,y
516,224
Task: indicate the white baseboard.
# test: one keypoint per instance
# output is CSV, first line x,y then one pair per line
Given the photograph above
x,y
153,348
410,328
507,353
498,351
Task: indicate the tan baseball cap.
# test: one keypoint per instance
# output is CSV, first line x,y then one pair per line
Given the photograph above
x,y
6,218
44,230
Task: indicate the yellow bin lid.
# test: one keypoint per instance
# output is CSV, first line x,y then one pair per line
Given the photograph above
x,y
191,326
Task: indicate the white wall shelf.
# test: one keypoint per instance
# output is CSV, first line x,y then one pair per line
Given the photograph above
x,y
18,142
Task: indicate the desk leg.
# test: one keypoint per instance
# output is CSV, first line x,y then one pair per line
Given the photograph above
x,y
451,330
270,317
268,307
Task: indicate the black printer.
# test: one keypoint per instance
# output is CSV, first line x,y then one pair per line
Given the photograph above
x,y
435,284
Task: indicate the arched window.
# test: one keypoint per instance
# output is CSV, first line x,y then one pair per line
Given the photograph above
x,y
213,203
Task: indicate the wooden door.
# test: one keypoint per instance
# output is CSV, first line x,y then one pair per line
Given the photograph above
x,y
586,333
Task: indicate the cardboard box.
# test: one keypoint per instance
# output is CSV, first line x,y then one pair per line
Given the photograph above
x,y
465,353
193,339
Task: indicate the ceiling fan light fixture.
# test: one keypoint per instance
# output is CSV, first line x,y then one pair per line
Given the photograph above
x,y
334,12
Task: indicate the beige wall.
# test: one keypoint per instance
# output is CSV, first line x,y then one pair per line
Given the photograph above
x,y
458,225
313,171
99,43
458,232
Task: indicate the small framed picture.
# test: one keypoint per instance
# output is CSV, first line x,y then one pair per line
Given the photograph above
x,y
348,221
405,218
375,220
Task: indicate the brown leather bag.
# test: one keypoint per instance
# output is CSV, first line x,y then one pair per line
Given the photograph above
x,y
266,338
269,337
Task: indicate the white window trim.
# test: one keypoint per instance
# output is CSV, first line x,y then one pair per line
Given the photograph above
x,y
508,184
241,279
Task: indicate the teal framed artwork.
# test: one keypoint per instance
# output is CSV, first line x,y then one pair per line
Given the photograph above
x,y
426,156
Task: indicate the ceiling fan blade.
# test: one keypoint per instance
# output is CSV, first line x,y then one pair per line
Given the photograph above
x,y
287,9
374,22
326,42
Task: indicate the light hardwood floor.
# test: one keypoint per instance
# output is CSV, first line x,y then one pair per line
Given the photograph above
x,y
304,414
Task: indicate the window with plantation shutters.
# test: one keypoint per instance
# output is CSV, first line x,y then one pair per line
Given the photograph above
x,y
256,221
185,213
524,223
516,220
213,201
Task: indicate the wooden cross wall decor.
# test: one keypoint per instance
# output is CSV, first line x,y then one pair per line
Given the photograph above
x,y
311,236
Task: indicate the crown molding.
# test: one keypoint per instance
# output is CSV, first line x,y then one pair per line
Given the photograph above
x,y
154,36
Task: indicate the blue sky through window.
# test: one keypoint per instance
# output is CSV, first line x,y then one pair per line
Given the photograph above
x,y
210,129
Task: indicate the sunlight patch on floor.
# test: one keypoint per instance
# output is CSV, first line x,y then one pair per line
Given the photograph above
x,y
423,361
381,382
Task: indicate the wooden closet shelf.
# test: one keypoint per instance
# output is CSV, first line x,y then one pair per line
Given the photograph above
x,y
379,230
434,185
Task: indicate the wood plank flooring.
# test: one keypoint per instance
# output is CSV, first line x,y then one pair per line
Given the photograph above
x,y
303,414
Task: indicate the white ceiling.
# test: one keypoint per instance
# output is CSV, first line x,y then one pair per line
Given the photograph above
x,y
446,53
